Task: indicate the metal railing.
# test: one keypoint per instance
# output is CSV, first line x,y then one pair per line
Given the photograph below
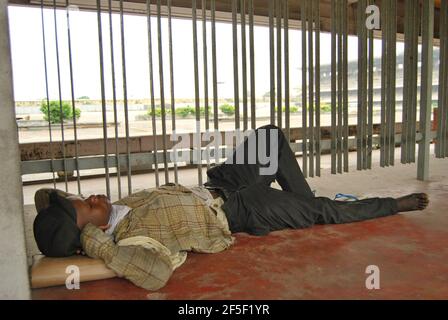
x,y
312,140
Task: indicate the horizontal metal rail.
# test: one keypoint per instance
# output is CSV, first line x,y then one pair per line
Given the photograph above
x,y
144,160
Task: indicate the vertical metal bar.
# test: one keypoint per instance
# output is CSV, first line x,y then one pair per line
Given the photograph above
x,y
362,87
215,79
162,91
333,86
173,99
303,18
359,127
384,18
114,98
44,42
279,62
244,62
60,95
103,97
414,79
151,90
317,53
392,74
286,57
426,89
443,83
311,86
439,140
253,120
412,83
72,90
370,98
345,81
125,99
271,61
364,98
389,88
387,81
406,91
196,94
204,55
235,63
340,79
411,69
444,63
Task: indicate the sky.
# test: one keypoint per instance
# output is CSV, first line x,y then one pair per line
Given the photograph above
x,y
28,57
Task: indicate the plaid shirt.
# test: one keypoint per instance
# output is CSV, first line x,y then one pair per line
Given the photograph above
x,y
170,215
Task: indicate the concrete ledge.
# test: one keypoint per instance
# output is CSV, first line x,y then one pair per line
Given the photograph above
x,y
39,124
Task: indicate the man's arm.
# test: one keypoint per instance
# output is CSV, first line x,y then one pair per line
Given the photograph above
x,y
42,197
144,267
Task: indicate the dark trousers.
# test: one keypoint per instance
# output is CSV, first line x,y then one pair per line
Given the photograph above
x,y
252,206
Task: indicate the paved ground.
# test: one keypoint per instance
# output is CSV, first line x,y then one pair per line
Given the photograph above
x,y
139,127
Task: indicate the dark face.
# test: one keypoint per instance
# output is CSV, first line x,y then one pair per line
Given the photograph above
x,y
95,209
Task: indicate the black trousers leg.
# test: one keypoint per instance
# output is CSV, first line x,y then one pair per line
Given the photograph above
x,y
253,206
289,175
234,176
260,209
331,211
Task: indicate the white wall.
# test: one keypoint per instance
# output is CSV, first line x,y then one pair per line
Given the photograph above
x,y
14,281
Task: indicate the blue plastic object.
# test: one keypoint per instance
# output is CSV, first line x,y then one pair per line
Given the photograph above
x,y
345,197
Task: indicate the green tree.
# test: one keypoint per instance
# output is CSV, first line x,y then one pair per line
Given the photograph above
x,y
158,111
292,109
325,107
227,109
184,112
188,111
54,110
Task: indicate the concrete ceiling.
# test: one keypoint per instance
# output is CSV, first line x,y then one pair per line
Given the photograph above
x,y
261,8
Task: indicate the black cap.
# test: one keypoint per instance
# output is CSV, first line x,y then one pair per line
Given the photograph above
x,y
55,228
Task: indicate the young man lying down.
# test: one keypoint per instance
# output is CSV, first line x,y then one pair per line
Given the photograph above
x,y
145,236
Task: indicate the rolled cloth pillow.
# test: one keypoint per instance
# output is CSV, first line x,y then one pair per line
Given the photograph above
x,y
47,272
55,229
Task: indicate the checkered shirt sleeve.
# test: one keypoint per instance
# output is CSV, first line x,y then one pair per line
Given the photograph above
x,y
146,268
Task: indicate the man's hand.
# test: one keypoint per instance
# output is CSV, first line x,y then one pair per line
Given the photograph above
x,y
80,252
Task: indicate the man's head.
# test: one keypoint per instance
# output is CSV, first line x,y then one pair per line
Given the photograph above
x,y
58,225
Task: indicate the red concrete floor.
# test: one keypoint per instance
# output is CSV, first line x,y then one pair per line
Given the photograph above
x,y
323,262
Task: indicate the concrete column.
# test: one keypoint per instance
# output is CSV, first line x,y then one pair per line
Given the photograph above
x,y
14,281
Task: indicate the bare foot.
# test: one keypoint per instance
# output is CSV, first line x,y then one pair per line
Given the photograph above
x,y
413,201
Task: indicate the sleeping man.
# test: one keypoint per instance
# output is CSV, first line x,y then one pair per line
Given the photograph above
x,y
146,236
